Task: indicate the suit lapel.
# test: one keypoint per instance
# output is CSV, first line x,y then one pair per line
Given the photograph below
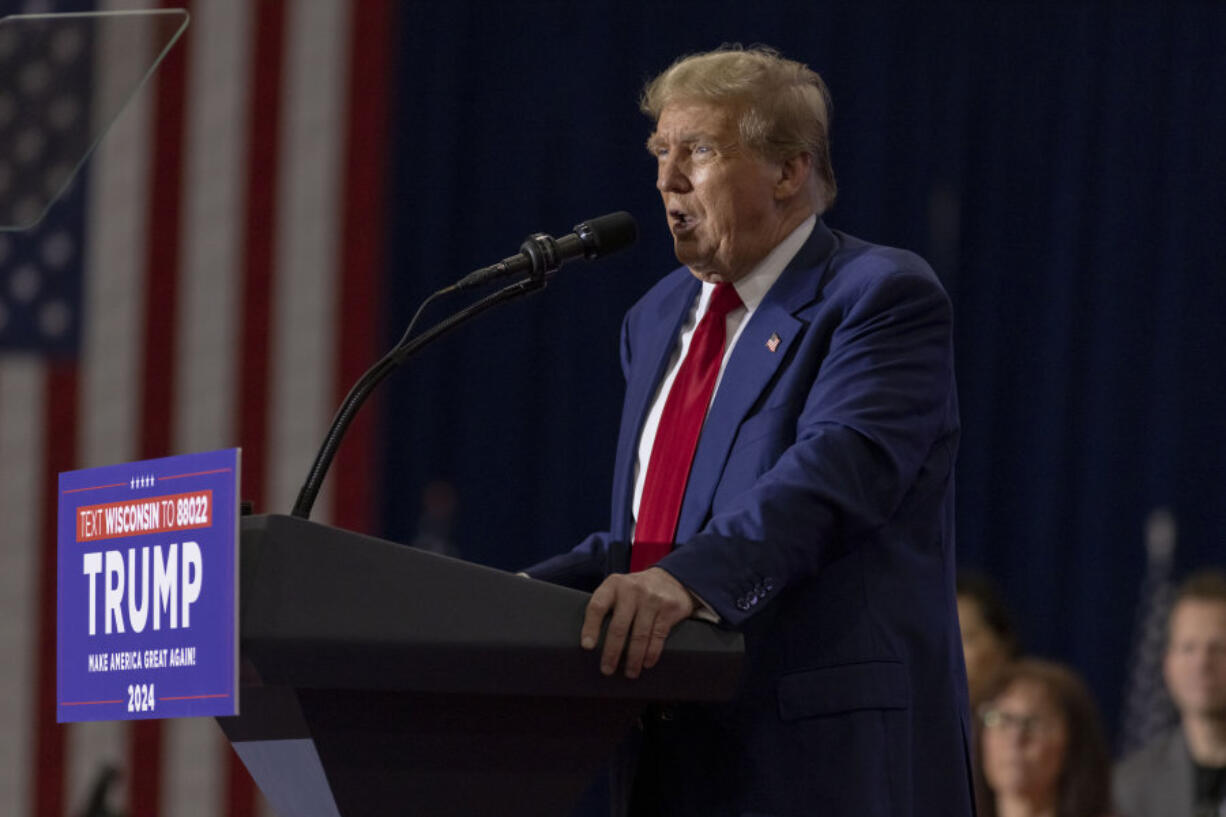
x,y
751,367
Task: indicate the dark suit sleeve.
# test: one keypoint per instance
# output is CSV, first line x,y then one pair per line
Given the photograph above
x,y
585,566
879,409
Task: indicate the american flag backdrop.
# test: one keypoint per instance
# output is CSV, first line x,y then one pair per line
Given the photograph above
x,y
1148,710
211,280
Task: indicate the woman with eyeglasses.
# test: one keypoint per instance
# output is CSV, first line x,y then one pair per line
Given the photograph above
x,y
1040,750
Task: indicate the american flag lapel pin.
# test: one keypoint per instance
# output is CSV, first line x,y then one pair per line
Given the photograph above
x,y
773,343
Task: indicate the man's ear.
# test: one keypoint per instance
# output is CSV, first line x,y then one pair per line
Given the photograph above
x,y
794,174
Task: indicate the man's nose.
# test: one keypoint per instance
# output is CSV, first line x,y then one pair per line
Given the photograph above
x,y
671,178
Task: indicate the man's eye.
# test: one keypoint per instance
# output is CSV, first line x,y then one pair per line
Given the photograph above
x,y
703,150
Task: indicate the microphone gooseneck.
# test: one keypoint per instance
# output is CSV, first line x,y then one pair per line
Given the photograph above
x,y
539,257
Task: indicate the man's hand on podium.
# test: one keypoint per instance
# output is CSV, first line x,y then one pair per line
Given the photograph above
x,y
642,609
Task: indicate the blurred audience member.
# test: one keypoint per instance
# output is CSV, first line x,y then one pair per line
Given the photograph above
x,y
1040,751
1183,773
988,639
435,527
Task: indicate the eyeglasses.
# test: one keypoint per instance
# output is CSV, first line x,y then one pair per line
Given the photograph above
x,y
998,720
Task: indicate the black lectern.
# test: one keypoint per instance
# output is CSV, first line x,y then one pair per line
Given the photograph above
x,y
379,679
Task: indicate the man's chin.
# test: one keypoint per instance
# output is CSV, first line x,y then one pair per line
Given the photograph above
x,y
686,256
699,264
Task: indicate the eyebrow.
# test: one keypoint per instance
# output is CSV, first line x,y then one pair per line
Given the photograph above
x,y
656,140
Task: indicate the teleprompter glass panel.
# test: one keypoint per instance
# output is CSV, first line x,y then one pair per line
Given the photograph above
x,y
57,97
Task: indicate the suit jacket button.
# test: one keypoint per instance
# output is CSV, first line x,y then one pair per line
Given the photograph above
x,y
769,584
742,604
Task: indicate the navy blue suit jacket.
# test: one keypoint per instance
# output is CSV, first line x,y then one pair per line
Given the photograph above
x,y
818,520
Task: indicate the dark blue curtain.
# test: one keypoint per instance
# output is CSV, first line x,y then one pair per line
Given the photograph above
x,y
1061,167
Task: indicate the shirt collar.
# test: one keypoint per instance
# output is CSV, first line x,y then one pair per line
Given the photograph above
x,y
753,287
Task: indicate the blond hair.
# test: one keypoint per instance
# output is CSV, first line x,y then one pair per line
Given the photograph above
x,y
784,105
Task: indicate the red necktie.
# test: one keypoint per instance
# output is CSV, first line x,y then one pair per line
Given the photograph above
x,y
672,453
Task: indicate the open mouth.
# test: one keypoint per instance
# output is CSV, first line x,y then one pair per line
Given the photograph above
x,y
680,221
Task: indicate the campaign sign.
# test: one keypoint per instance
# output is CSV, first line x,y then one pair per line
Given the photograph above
x,y
147,586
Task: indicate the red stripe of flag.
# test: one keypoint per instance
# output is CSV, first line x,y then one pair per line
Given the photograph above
x,y
362,256
59,454
259,236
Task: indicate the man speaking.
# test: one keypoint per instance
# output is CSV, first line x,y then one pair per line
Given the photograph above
x,y
785,468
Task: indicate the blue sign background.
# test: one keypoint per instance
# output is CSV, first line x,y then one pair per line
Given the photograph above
x,y
208,685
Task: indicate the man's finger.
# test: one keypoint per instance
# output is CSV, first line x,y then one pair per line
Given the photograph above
x,y
620,621
641,635
659,634
673,610
597,608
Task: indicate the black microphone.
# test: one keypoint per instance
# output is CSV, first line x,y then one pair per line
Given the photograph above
x,y
541,254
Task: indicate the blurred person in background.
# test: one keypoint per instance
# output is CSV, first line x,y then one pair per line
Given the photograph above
x,y
1040,750
989,641
1183,772
436,526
